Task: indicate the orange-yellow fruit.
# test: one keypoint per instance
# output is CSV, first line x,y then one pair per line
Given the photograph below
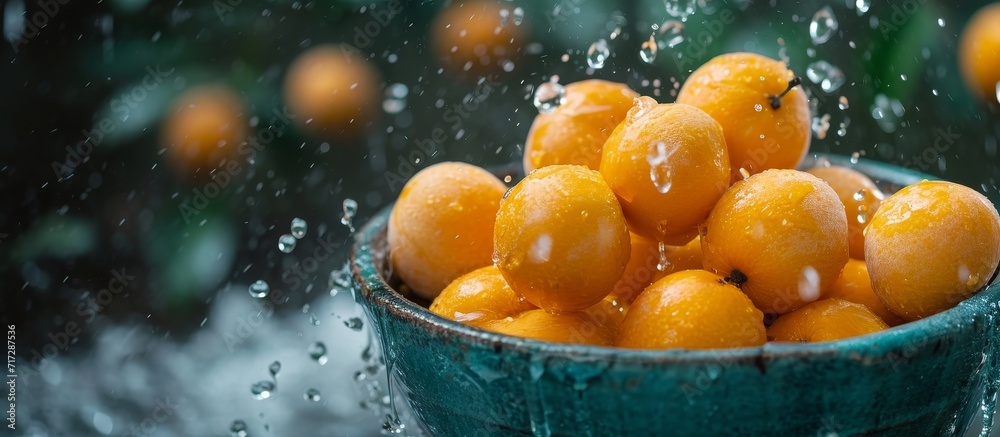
x,y
609,312
930,246
693,309
572,327
979,53
825,320
468,37
479,297
204,127
442,225
561,239
861,198
668,165
332,93
780,235
575,132
854,285
641,269
739,90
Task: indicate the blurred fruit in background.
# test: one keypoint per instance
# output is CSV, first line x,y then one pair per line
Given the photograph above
x,y
333,92
478,37
979,54
204,127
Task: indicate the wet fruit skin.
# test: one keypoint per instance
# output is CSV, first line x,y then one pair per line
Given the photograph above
x,y
332,93
768,229
641,269
467,38
561,239
442,225
849,184
681,140
930,246
204,127
571,327
479,297
575,132
825,320
692,309
979,53
730,89
855,285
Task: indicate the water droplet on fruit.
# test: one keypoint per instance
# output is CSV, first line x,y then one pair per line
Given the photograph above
x,y
262,389
549,96
350,208
823,25
862,214
659,168
744,173
286,243
597,53
758,107
664,264
809,284
312,395
826,75
259,289
317,351
238,428
860,194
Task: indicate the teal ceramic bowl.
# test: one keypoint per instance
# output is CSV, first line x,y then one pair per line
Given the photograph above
x,y
923,378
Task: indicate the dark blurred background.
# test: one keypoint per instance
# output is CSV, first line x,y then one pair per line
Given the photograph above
x,y
90,197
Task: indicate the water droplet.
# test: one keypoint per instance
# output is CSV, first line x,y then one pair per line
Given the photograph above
x,y
597,53
821,125
317,351
860,195
262,389
504,16
887,112
238,428
940,22
549,96
395,98
842,103
274,368
393,425
659,168
862,6
823,25
855,157
671,34
862,214
680,8
312,395
354,323
614,33
758,107
313,320
260,289
518,16
286,243
998,91
744,173
664,263
828,76
809,284
648,50
350,208
299,228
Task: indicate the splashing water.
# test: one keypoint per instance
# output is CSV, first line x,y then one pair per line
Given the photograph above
x,y
648,50
671,34
238,428
312,395
262,389
823,25
659,169
809,284
259,289
350,209
597,54
549,96
828,76
298,228
317,352
680,8
286,243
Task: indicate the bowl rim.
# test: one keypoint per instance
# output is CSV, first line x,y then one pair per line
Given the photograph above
x,y
373,289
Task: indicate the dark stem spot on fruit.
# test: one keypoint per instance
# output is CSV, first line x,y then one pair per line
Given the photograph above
x,y
776,100
736,278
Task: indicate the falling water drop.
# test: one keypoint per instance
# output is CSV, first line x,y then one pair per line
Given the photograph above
x,y
350,208
828,76
274,369
860,195
862,6
238,428
664,263
259,289
855,157
648,50
299,228
518,16
680,8
671,34
262,389
659,168
549,96
317,351
286,243
312,395
823,25
809,284
354,323
313,320
597,53
504,16
395,98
